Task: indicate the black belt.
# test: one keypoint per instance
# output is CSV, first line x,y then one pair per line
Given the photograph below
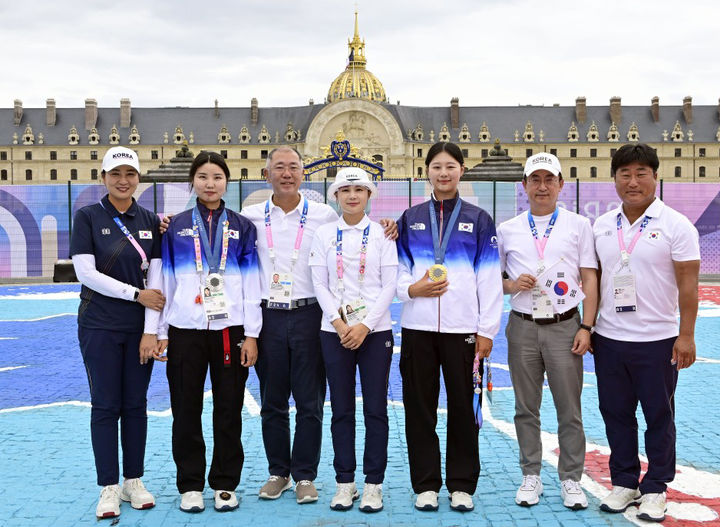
x,y
294,304
544,321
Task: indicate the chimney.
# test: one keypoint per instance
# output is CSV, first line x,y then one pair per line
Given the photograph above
x,y
687,109
91,114
615,110
125,113
580,110
18,112
50,112
455,112
655,109
254,113
217,109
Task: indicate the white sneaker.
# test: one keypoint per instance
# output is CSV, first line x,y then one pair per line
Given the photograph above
x,y
619,499
225,500
345,494
192,501
427,501
109,504
461,501
372,498
573,495
652,507
530,491
135,492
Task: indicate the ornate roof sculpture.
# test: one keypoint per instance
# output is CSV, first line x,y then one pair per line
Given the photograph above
x,y
356,81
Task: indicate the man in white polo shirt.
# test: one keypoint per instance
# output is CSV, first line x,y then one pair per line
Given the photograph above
x,y
650,261
545,254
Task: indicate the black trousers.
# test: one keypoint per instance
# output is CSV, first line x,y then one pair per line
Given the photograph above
x,y
423,353
190,352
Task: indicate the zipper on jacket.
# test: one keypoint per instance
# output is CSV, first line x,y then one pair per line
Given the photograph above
x,y
210,240
440,242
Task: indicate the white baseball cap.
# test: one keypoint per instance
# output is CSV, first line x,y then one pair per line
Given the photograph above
x,y
351,176
542,161
118,156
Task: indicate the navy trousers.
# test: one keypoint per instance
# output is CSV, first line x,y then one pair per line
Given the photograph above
x,y
373,359
118,391
290,362
628,372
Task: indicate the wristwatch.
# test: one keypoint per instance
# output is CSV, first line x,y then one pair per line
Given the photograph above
x,y
137,295
587,328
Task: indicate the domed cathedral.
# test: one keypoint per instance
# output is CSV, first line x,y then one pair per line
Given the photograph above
x,y
52,144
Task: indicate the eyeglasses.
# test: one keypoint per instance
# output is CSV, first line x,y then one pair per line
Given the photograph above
x,y
280,169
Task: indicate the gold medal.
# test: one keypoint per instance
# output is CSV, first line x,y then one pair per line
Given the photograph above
x,y
438,273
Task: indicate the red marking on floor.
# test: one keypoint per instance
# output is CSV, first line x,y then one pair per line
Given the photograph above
x,y
709,293
596,467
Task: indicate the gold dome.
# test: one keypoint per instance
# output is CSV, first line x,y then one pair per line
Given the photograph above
x,y
356,81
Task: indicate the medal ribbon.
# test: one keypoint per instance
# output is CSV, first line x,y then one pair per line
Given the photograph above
x,y
339,258
540,244
216,259
626,252
144,265
298,237
440,247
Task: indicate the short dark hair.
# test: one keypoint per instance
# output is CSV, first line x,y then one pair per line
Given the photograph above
x,y
443,146
272,153
634,153
205,157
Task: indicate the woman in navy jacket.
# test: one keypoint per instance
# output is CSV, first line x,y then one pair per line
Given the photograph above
x,y
113,244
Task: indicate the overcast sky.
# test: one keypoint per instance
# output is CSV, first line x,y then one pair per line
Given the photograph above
x,y
499,53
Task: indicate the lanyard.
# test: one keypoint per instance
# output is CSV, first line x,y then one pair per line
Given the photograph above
x,y
144,265
626,252
218,258
298,237
439,247
540,244
339,258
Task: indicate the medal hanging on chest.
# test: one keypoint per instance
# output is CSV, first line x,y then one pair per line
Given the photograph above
x,y
213,285
439,272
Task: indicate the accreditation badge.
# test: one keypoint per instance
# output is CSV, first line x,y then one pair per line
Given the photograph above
x,y
354,312
542,305
438,273
213,298
280,291
624,292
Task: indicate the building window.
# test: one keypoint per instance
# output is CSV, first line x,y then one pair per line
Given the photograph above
x,y
28,155
593,172
93,173
573,172
154,154
612,151
528,152
93,155
701,172
678,172
593,152
53,155
223,153
484,152
701,152
3,156
573,152
243,173
419,152
553,151
465,153
243,154
3,175
28,175
678,152
263,154
419,171
53,174
73,174
73,155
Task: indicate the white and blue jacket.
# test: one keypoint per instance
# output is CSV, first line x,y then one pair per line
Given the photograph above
x,y
181,283
473,302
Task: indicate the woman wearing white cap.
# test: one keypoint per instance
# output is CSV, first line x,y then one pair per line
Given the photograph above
x,y
354,269
113,244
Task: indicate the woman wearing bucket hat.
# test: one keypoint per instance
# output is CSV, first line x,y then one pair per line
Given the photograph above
x,y
449,281
211,321
113,244
354,269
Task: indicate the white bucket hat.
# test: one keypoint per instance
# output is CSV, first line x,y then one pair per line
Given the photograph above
x,y
351,176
